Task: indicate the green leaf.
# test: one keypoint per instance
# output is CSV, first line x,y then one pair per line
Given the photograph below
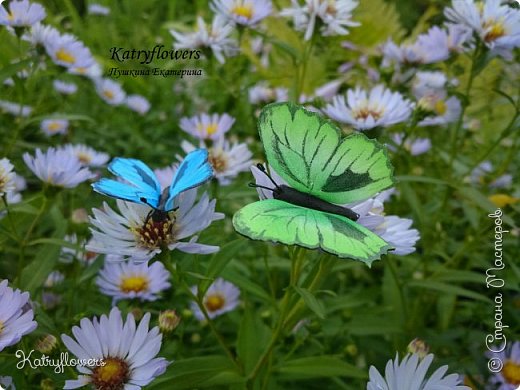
x,y
421,179
311,301
246,284
252,337
71,117
319,367
199,372
219,261
448,289
9,70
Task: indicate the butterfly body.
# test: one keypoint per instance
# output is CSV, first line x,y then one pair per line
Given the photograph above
x,y
298,198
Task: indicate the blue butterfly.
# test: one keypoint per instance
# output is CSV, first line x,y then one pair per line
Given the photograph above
x,y
144,187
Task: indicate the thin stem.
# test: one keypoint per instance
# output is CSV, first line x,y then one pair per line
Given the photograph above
x,y
165,257
298,256
10,218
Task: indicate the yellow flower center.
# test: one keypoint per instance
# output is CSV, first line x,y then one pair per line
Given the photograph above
x,y
10,16
503,200
214,302
54,127
112,376
364,113
210,129
1,327
244,10
218,161
511,372
495,30
135,283
81,70
65,56
85,158
108,94
440,107
155,233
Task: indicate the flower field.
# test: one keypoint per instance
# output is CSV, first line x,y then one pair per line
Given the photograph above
x,y
260,194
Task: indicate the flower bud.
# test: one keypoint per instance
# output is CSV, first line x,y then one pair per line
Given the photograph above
x,y
418,347
168,321
46,344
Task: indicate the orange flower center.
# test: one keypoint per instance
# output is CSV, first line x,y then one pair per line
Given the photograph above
x,y
495,30
215,302
218,161
364,113
112,376
511,372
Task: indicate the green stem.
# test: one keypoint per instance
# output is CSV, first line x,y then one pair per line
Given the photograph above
x,y
298,256
165,258
10,218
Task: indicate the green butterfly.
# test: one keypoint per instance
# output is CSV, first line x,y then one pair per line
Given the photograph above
x,y
322,170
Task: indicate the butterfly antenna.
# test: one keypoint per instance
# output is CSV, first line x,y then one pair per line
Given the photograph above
x,y
254,185
262,168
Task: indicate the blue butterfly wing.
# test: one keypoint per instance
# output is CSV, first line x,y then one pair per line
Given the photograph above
x,y
193,171
143,188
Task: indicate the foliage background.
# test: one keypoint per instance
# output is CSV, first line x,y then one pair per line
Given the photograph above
x,y
437,294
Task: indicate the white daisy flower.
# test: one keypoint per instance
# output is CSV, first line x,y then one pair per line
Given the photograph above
x,y
15,108
445,110
396,231
21,14
497,25
16,319
508,378
7,177
87,155
7,383
67,254
110,91
52,127
138,104
93,71
403,54
426,82
416,146
262,93
215,37
483,173
57,167
221,297
207,126
69,52
438,44
64,87
41,34
54,278
14,196
333,16
127,280
410,374
227,159
244,12
98,9
364,111
127,351
134,234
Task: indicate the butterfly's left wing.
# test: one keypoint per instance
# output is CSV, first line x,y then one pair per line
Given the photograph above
x,y
307,151
278,221
143,186
193,171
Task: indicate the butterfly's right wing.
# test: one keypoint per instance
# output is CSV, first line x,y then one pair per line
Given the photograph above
x,y
278,221
140,186
192,172
307,151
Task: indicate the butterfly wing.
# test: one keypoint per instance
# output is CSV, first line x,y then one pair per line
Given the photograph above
x,y
192,172
309,153
278,221
141,184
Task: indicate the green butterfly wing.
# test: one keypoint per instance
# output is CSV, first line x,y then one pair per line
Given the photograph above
x,y
308,152
279,221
